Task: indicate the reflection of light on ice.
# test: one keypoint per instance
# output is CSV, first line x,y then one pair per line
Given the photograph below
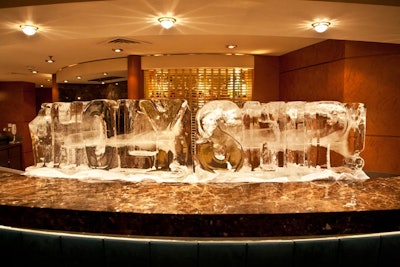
x,y
142,153
183,175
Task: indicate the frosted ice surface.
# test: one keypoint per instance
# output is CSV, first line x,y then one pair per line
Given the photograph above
x,y
147,139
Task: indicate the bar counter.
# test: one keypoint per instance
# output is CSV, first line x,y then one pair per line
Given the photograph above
x,y
269,209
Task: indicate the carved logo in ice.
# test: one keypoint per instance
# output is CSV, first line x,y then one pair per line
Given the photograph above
x,y
169,118
136,139
260,139
41,135
280,135
68,143
99,134
220,126
271,146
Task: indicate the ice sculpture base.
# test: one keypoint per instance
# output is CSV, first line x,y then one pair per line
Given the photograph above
x,y
183,175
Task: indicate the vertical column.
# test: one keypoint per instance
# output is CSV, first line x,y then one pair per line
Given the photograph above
x,y
54,88
135,78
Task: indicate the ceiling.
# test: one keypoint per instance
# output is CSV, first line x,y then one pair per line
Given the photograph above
x,y
75,32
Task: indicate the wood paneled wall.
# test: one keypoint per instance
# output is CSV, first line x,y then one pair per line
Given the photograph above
x,y
348,71
266,79
18,105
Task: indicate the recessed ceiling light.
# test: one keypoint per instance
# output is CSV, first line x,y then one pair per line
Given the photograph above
x,y
34,71
105,73
167,22
29,29
321,26
78,77
117,50
50,60
231,46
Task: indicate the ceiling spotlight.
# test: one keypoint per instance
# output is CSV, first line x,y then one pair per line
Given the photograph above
x,y
167,22
231,46
117,50
50,60
29,29
34,71
321,26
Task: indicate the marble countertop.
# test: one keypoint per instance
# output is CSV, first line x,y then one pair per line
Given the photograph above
x,y
124,207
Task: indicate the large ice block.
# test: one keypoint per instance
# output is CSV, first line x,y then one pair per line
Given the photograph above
x,y
136,138
170,119
41,134
99,132
68,143
220,127
268,136
258,140
127,135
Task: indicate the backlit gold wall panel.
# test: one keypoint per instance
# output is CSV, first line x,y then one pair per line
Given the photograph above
x,y
199,85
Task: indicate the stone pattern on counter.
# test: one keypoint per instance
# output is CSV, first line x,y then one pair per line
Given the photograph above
x,y
203,210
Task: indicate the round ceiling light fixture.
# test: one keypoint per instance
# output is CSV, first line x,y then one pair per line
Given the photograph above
x,y
321,26
167,22
50,60
29,29
231,46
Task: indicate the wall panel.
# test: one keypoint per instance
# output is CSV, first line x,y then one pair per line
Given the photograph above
x,y
18,105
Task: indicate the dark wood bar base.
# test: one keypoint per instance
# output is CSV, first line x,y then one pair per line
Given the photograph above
x,y
201,210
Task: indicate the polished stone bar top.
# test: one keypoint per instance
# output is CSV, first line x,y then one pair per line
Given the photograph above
x,y
200,198
197,199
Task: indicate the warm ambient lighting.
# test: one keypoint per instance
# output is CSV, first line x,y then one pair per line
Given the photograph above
x,y
321,26
117,50
29,29
167,22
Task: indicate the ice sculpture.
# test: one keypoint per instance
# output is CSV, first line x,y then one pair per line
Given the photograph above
x,y
218,122
260,140
268,136
169,119
136,137
99,134
67,145
129,135
41,135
